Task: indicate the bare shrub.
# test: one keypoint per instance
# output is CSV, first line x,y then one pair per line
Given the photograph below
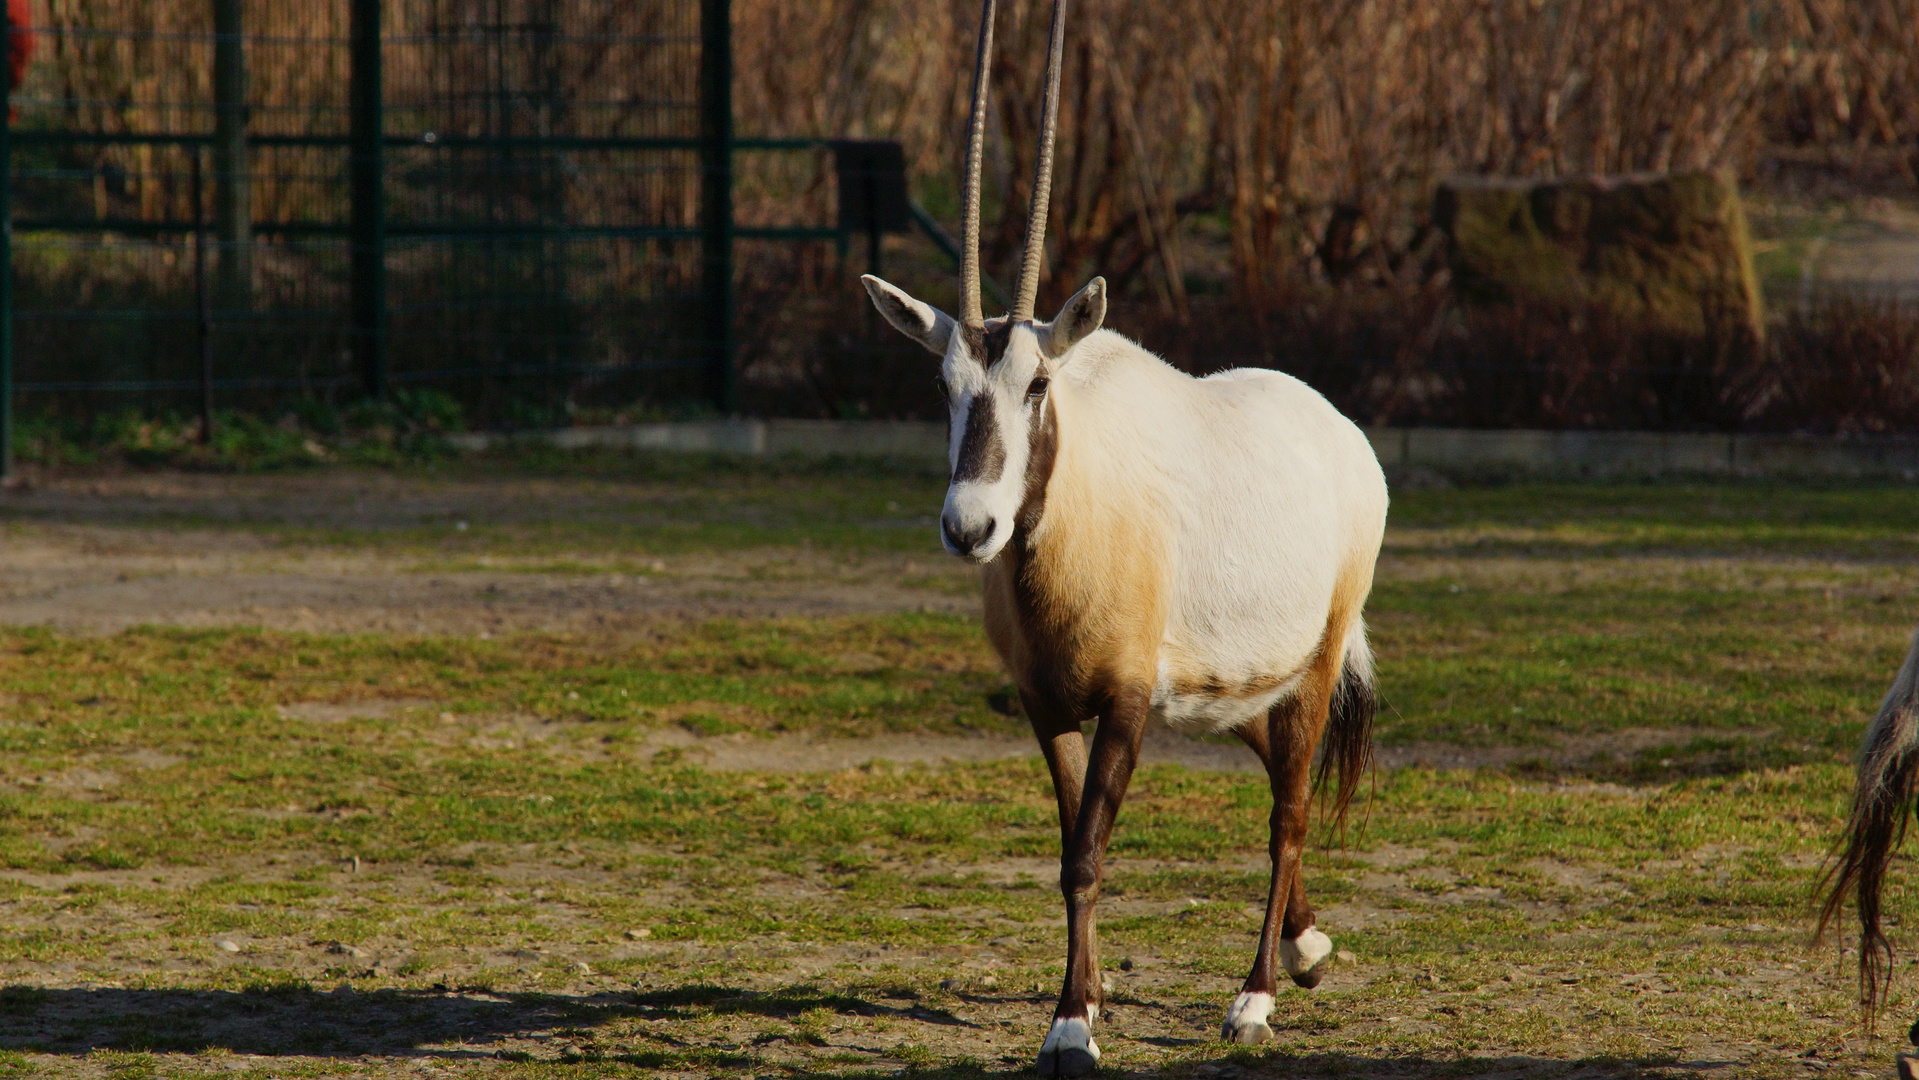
x,y
1414,356
1842,365
1254,177
1313,131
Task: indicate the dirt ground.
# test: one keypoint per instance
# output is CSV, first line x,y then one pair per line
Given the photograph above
x,y
98,555
82,579
552,996
805,753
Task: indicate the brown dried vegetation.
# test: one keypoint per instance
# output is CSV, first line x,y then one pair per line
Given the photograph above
x,y
1267,163
1314,130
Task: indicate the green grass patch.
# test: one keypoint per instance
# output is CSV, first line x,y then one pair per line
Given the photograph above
x,y
1790,671
1488,917
475,852
1539,519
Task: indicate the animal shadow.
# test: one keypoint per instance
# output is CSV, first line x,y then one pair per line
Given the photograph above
x,y
296,1019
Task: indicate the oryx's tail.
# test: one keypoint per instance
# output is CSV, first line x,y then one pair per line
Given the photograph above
x,y
1348,746
1888,781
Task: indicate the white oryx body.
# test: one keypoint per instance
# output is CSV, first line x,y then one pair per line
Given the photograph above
x,y
1247,502
1153,545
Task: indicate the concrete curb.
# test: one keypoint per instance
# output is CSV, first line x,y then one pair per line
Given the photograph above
x,y
1447,451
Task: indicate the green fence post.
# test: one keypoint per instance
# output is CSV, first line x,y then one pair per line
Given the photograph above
x,y
716,198
367,166
232,169
6,257
203,298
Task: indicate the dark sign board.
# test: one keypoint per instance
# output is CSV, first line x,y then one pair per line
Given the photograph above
x,y
872,180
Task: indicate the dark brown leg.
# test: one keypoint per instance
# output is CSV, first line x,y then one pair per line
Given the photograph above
x,y
1285,743
1069,1048
1255,735
1065,750
1258,735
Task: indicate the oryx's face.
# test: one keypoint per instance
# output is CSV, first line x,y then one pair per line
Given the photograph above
x,y
999,388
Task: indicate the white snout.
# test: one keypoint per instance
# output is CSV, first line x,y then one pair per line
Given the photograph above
x,y
977,521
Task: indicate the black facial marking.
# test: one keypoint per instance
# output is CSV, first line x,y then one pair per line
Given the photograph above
x,y
987,344
981,456
975,338
994,347
1041,448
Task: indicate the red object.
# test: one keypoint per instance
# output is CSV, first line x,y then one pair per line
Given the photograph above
x,y
21,42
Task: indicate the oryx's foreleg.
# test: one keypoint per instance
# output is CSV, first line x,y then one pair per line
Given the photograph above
x,y
1069,1049
1289,939
1065,750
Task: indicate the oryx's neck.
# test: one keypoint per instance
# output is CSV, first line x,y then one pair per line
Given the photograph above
x,y
1080,596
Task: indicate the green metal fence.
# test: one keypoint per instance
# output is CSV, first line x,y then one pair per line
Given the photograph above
x,y
509,200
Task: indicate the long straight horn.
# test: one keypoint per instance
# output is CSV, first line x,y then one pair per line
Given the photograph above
x,y
1042,172
970,313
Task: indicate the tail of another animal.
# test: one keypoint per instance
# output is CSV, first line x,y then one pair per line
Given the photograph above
x,y
1888,781
1348,747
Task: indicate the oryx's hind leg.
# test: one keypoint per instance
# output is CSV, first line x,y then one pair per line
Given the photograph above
x,y
1289,938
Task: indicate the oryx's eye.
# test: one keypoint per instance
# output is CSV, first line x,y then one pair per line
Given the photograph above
x,y
939,382
1037,389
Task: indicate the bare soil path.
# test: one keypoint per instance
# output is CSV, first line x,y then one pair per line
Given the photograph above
x,y
353,552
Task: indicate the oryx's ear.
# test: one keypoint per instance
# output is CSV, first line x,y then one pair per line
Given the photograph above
x,y
1080,317
921,322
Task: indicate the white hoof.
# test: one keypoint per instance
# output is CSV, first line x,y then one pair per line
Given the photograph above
x,y
1069,1049
1303,956
1246,1020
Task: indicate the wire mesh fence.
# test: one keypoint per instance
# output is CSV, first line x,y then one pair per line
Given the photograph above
x,y
516,202
530,206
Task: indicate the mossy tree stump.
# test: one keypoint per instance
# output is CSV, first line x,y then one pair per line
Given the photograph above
x,y
1668,252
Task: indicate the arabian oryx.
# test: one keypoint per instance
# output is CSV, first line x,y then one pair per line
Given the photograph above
x,y
1198,550
1888,784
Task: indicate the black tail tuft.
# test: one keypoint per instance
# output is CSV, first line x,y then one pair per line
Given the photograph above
x,y
1348,747
1888,782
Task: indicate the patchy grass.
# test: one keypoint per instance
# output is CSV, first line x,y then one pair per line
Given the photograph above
x,y
805,925
549,506
838,676
1741,677
882,507
254,853
1764,676
1535,519
413,883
